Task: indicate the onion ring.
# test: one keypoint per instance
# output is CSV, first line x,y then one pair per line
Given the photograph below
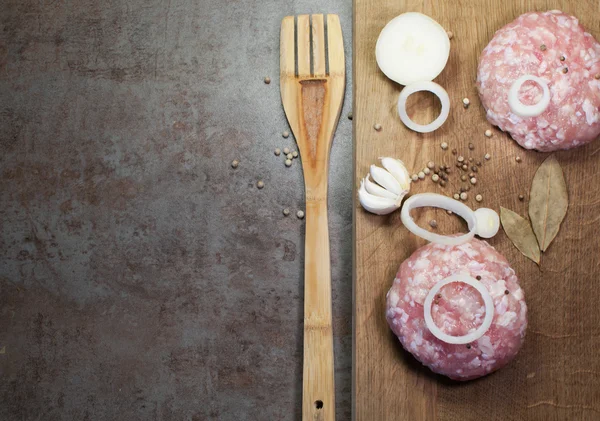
x,y
435,89
476,220
521,109
470,337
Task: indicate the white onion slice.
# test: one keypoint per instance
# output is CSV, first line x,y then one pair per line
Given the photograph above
x,y
438,201
377,190
412,47
484,222
435,89
385,180
477,333
521,109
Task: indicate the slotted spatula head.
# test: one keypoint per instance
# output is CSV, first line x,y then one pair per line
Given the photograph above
x,y
312,81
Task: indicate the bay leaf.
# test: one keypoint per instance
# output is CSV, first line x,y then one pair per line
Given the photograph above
x,y
520,233
548,201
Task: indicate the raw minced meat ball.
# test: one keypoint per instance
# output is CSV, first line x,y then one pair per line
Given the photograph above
x,y
554,47
458,309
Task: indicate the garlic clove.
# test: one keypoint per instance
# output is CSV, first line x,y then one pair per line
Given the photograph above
x,y
377,190
386,180
398,170
376,204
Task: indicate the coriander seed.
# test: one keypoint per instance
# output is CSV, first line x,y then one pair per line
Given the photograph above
x,y
456,196
414,177
518,159
267,80
465,167
286,212
377,127
288,162
471,146
286,134
235,163
473,180
488,133
433,223
431,165
421,175
466,102
260,184
435,178
295,154
461,158
289,156
277,151
463,196
444,145
300,214
427,171
487,156
479,198
521,197
286,151
463,177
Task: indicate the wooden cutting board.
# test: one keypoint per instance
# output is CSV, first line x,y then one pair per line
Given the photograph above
x,y
556,376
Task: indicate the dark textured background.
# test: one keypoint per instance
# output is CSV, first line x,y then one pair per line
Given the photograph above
x,y
142,278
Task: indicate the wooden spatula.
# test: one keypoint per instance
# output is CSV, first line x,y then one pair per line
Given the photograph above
x,y
312,90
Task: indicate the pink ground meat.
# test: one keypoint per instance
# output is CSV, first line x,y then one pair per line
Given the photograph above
x,y
554,47
458,309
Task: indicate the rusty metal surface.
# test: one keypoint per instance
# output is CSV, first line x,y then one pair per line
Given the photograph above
x,y
142,278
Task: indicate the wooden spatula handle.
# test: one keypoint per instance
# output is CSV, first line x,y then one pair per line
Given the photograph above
x,y
318,394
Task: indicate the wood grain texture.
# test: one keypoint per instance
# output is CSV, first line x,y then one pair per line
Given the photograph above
x,y
312,104
556,376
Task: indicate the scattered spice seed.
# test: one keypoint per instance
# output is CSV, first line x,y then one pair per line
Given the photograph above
x,y
565,69
450,34
286,212
468,346
597,76
426,171
433,223
518,159
421,175
461,158
470,159
288,163
474,168
488,133
377,127
454,151
444,145
431,165
447,170
463,196
267,80
350,115
289,156
449,212
479,163
300,214
443,183
463,177
465,167
471,175
478,277
414,177
458,165
444,177
456,196
506,292
436,171
543,47
463,188
295,154
286,134
466,102
235,163
487,156
260,184
467,188
479,198
521,197
473,180
562,58
471,146
435,178
277,151
286,151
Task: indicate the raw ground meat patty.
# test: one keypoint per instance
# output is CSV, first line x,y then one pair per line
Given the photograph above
x,y
459,309
554,47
